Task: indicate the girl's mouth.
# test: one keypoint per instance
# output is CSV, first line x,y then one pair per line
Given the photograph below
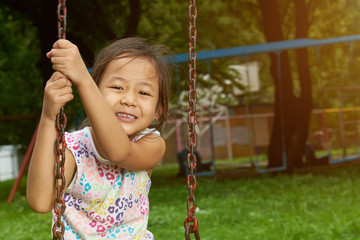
x,y
125,116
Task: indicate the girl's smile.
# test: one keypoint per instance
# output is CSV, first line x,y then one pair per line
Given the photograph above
x,y
125,117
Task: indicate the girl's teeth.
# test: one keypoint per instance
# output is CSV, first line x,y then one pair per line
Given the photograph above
x,y
125,115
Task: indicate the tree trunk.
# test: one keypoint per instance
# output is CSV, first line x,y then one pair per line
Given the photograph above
x,y
134,18
292,114
304,102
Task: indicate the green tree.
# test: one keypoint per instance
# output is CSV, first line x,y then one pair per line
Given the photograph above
x,y
292,113
29,30
20,81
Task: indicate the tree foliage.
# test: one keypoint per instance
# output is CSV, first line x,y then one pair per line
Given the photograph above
x,y
28,30
20,80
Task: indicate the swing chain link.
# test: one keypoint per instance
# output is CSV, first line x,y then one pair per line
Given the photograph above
x,y
58,228
191,139
61,16
59,205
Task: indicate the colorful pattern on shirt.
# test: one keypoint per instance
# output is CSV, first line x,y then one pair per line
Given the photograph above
x,y
104,201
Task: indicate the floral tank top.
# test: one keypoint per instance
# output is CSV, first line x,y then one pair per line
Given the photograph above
x,y
104,201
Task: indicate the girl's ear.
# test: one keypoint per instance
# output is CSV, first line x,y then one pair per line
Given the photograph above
x,y
158,112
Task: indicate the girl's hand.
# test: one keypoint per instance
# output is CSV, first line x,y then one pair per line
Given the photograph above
x,y
66,59
57,93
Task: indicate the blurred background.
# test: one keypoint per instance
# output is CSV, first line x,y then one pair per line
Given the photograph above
x,y
270,100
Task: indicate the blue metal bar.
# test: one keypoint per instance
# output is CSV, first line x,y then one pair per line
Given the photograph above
x,y
207,173
264,47
347,159
275,169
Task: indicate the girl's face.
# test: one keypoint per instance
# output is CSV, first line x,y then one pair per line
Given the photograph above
x,y
131,88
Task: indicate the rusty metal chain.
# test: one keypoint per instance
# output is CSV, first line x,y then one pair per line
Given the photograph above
x,y
191,223
58,228
61,16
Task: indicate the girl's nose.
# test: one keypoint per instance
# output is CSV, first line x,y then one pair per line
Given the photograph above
x,y
128,99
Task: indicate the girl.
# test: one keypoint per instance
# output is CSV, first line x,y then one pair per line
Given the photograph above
x,y
107,182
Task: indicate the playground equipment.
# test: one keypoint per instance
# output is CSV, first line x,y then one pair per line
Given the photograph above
x,y
276,47
191,222
339,127
58,228
208,112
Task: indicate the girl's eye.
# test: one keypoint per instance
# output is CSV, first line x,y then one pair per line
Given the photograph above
x,y
144,93
118,88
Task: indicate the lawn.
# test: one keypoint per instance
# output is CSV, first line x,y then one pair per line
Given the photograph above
x,y
312,204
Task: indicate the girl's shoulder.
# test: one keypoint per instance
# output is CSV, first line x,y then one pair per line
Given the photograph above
x,y
146,132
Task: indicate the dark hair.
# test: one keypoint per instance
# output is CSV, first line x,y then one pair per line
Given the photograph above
x,y
140,47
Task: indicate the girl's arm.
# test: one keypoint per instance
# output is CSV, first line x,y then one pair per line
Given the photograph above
x,y
41,175
111,139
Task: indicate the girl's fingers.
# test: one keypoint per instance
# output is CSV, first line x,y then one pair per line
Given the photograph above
x,y
68,83
65,57
60,52
62,43
61,83
62,86
57,75
65,92
57,94
58,80
66,98
57,67
56,52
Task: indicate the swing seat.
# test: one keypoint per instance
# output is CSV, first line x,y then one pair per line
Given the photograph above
x,y
182,160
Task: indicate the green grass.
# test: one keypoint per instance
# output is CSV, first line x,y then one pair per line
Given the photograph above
x,y
335,154
17,220
316,204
